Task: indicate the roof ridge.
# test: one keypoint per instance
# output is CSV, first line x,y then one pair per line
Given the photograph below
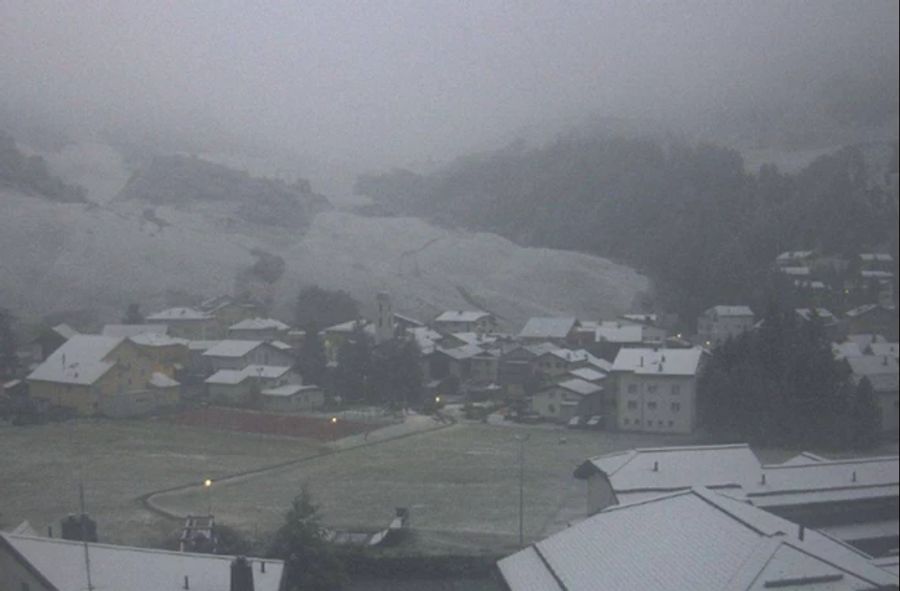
x,y
827,462
707,495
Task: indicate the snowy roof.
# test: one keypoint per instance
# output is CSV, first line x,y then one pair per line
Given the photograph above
x,y
425,338
588,374
796,271
270,372
288,390
674,468
227,377
808,313
870,274
695,539
865,339
889,349
880,370
475,338
845,350
232,348
641,318
579,386
619,332
548,327
62,564
157,340
865,309
876,256
802,458
129,330
463,352
825,481
202,345
681,362
80,360
231,377
259,324
793,255
350,326
280,345
161,380
65,331
730,311
461,316
408,320
175,314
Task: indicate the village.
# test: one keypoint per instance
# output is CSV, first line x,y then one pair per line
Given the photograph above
x,y
557,390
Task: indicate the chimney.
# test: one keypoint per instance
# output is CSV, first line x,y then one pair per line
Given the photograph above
x,y
853,477
241,575
763,479
801,533
642,361
656,466
49,531
262,566
187,582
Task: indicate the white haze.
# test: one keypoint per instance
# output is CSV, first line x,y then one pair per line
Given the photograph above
x,y
359,85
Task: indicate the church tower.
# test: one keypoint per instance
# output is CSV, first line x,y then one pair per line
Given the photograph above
x,y
384,322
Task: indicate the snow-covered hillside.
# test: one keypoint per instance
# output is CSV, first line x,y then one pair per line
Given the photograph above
x,y
104,254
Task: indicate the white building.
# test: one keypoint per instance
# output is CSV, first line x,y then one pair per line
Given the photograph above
x,y
656,389
719,323
235,354
569,398
258,329
694,539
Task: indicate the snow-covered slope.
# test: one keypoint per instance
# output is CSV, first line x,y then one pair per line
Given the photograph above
x,y
74,256
109,252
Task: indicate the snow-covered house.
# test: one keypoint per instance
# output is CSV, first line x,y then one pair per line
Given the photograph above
x,y
452,321
693,539
235,354
569,398
719,323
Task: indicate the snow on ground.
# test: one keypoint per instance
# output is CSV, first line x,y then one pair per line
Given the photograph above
x,y
74,256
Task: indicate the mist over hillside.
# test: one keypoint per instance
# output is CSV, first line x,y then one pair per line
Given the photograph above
x,y
159,241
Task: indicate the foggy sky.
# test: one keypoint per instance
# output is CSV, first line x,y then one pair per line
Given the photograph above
x,y
372,84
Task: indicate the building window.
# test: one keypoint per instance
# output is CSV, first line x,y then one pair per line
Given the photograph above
x,y
625,421
632,405
551,408
632,388
637,422
671,423
651,388
651,405
676,406
676,389
659,423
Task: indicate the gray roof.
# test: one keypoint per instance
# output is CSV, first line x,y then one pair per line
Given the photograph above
x,y
881,371
548,327
695,539
731,311
260,324
579,386
62,563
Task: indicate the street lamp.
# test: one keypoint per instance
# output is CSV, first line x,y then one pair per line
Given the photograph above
x,y
207,484
522,439
334,421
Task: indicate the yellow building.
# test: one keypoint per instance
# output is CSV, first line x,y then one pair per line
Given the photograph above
x,y
94,374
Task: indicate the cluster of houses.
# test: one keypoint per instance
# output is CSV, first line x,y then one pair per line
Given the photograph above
x,y
715,517
223,348
868,276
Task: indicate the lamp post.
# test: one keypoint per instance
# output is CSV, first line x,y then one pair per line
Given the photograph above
x,y
334,422
522,439
207,484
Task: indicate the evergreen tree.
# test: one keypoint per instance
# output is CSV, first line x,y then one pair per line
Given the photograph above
x,y
865,416
310,560
311,358
8,360
324,307
397,373
133,314
354,365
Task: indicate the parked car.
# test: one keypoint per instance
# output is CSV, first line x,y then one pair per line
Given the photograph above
x,y
595,422
575,423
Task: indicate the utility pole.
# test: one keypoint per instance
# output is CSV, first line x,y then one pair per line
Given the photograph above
x,y
522,439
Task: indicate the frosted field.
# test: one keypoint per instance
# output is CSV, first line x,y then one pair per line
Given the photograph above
x,y
40,468
460,483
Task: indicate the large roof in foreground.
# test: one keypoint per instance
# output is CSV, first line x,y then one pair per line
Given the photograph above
x,y
123,568
694,539
680,362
